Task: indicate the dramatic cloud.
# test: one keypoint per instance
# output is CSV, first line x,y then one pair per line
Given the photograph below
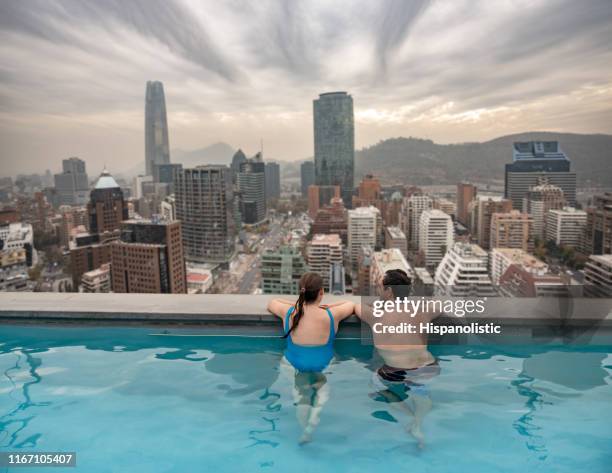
x,y
73,73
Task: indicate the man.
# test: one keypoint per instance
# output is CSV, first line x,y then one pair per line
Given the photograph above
x,y
408,364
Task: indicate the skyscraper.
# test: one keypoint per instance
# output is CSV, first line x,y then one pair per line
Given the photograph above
x,y
272,171
252,187
362,230
205,207
307,175
531,162
157,147
322,252
334,142
72,184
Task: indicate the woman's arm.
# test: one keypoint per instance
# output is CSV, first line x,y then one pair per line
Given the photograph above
x,y
341,310
279,307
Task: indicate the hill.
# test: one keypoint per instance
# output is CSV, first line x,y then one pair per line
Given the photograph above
x,y
418,161
217,153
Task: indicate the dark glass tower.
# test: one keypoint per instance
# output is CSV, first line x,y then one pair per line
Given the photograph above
x,y
334,142
157,148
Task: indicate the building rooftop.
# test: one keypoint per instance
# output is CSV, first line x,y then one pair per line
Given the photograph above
x,y
602,259
521,257
534,150
106,181
467,250
326,239
395,232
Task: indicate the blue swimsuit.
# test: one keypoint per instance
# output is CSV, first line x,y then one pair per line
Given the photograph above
x,y
310,358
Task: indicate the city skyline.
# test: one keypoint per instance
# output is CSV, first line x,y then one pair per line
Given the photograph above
x,y
410,66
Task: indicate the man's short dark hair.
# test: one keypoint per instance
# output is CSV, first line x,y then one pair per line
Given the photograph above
x,y
399,282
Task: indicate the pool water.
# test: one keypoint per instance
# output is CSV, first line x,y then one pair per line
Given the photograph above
x,y
141,400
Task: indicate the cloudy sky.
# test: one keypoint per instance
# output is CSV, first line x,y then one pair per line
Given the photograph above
x,y
73,73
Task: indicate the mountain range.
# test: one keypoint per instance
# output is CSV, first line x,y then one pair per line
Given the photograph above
x,y
418,161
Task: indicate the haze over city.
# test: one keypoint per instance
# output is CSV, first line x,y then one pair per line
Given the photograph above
x,y
73,74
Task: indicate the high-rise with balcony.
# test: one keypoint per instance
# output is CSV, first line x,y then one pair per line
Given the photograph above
x,y
483,208
157,147
512,230
410,215
536,160
436,236
322,252
566,227
205,206
362,230
334,142
384,260
72,184
464,272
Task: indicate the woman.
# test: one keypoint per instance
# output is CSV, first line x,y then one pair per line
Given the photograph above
x,y
310,329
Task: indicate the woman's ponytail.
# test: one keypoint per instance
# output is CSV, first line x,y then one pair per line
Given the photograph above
x,y
310,286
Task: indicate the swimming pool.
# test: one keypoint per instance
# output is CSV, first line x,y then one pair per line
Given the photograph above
x,y
141,400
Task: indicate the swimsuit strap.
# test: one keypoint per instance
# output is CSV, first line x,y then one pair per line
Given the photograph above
x,y
332,327
288,319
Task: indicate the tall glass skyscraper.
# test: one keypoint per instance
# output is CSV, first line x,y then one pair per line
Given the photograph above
x,y
334,142
157,148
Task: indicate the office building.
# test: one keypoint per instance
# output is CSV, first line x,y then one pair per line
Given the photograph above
x,y
598,231
272,178
320,196
482,210
369,193
251,184
566,227
322,252
167,208
205,206
362,230
165,175
157,147
395,238
538,202
97,280
436,236
466,193
307,176
410,216
598,276
512,230
281,270
334,142
237,160
106,207
381,262
332,218
536,160
464,272
72,184
137,185
149,258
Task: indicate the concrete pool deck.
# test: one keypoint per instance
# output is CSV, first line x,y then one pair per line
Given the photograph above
x,y
238,309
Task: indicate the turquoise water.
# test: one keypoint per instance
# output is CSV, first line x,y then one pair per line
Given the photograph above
x,y
137,400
